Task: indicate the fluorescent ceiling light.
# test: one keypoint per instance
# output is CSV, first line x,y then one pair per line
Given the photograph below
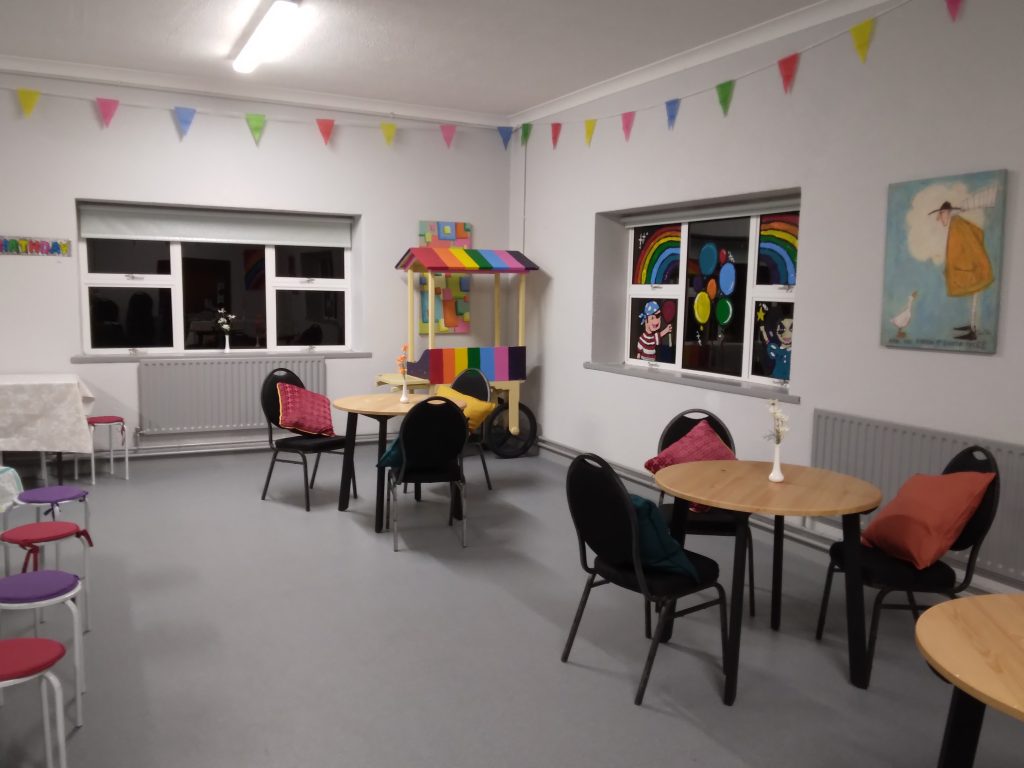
x,y
274,37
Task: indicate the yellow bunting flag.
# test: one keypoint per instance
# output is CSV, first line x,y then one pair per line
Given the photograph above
x,y
388,129
588,130
861,34
27,98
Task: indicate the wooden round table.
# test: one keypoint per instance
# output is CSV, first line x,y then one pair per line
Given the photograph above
x,y
380,406
977,644
744,487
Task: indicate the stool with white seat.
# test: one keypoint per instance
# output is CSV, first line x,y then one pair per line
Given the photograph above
x,y
109,422
23,659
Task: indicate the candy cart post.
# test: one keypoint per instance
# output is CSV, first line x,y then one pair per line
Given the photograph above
x,y
511,429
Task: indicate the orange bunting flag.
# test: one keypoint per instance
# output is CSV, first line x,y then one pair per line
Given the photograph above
x,y
388,129
588,130
861,34
326,127
627,123
448,133
107,108
787,68
556,131
27,98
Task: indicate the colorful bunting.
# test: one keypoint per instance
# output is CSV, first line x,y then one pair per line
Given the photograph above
x,y
107,108
954,8
326,127
27,98
448,133
388,129
256,123
672,112
556,131
627,123
861,34
524,133
588,129
184,116
724,91
505,131
787,68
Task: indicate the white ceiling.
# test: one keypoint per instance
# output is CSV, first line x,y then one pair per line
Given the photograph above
x,y
495,57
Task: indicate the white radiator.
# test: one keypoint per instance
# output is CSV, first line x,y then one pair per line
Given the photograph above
x,y
218,394
886,454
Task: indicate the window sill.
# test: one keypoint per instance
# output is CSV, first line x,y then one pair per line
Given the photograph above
x,y
746,388
235,354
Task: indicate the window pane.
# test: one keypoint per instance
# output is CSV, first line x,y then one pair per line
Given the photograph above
x,y
129,257
777,247
656,255
301,261
716,290
652,335
228,276
773,339
310,317
130,317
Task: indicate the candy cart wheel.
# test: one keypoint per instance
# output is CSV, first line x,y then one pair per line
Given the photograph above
x,y
503,443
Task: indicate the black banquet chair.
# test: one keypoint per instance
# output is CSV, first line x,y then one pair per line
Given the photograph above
x,y
606,523
712,522
430,442
301,444
889,574
473,382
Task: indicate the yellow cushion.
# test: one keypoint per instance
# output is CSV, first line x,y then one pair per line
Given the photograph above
x,y
476,410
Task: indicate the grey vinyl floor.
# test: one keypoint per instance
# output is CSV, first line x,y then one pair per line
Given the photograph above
x,y
233,632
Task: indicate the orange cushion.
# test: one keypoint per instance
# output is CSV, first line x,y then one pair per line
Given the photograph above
x,y
927,515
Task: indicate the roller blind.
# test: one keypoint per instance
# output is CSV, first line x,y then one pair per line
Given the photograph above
x,y
723,208
212,225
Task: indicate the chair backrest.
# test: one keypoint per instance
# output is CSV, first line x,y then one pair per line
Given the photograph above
x,y
601,511
268,394
687,420
472,382
976,459
432,435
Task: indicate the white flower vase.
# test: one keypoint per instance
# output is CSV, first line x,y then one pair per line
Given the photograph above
x,y
227,343
776,473
405,392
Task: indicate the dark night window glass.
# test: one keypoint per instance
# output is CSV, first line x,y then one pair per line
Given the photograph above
x,y
301,261
130,317
129,257
228,276
307,318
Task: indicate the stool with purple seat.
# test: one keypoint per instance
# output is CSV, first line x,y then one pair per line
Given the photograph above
x,y
36,590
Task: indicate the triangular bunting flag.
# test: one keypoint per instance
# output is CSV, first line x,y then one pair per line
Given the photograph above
x,y
627,123
861,34
524,133
724,91
588,129
954,8
505,131
184,116
787,68
27,98
388,129
107,108
256,123
672,112
326,127
448,133
556,131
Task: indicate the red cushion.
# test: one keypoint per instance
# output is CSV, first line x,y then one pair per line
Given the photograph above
x,y
304,411
35,533
927,515
104,420
701,443
27,656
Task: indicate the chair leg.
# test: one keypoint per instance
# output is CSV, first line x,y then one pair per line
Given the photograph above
x,y
750,571
914,609
487,475
305,478
723,618
270,471
92,454
647,618
316,466
663,614
394,515
460,489
824,601
579,615
876,615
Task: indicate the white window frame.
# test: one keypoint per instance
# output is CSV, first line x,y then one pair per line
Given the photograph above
x,y
332,284
661,291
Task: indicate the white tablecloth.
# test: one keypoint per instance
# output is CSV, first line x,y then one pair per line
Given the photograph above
x,y
44,412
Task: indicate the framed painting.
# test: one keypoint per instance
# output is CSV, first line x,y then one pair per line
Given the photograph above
x,y
943,258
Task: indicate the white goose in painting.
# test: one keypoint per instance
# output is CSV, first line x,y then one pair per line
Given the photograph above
x,y
902,320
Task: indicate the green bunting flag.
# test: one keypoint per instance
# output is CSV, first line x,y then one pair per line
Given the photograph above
x,y
724,91
524,133
256,125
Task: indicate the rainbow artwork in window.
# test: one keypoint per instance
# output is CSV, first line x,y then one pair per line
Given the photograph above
x,y
777,247
656,255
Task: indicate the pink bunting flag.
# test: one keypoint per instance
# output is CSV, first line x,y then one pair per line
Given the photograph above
x,y
107,108
787,68
326,128
954,8
448,133
556,131
627,123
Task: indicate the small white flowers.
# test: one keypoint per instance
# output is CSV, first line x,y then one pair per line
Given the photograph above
x,y
224,320
780,422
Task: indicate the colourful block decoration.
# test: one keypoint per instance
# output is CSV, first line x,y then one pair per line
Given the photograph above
x,y
458,234
451,304
441,366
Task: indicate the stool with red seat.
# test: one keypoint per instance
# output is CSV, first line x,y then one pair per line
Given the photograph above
x,y
109,422
24,659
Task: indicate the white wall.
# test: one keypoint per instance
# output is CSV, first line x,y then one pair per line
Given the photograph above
x,y
61,154
935,98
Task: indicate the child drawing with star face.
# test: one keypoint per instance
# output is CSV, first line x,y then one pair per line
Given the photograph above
x,y
653,332
777,337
